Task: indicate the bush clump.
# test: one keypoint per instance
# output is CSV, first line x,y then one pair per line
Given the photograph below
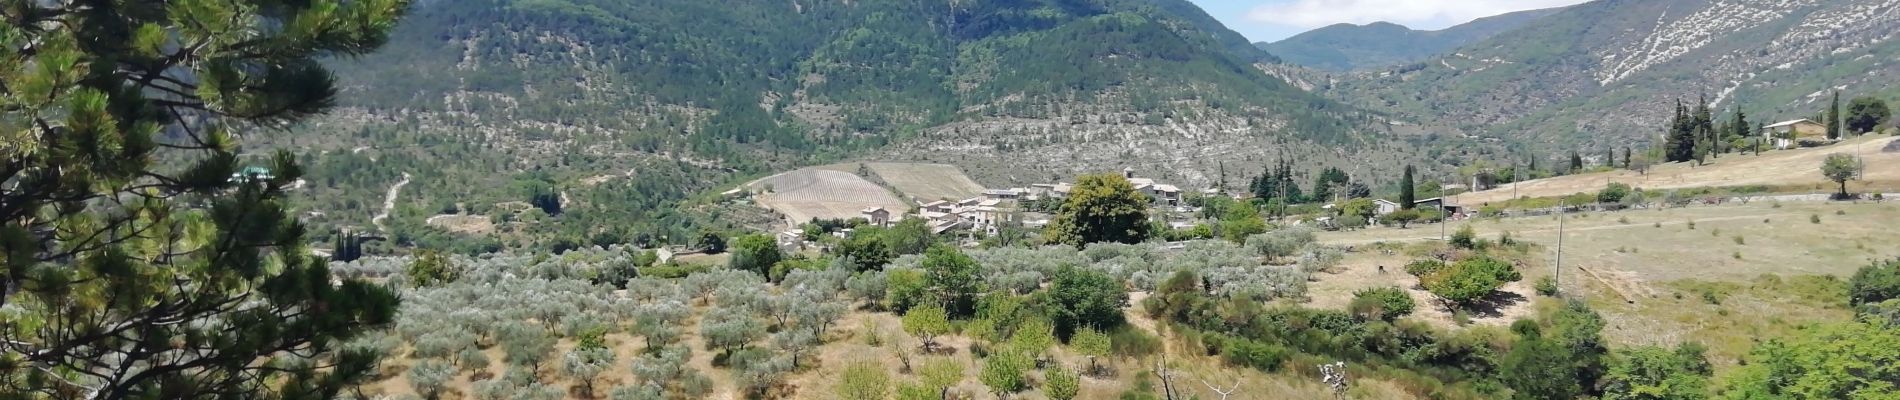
x,y
1386,303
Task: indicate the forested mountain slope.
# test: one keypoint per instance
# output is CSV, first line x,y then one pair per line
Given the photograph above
x,y
636,104
1346,47
1608,71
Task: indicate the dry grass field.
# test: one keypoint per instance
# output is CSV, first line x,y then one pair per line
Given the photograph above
x,y
1787,169
1725,276
822,193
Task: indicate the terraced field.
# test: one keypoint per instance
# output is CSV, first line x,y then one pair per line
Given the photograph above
x,y
822,193
927,182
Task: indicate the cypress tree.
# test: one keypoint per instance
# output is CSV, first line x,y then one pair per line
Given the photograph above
x,y
1626,157
127,279
1703,131
1407,197
1576,162
1833,117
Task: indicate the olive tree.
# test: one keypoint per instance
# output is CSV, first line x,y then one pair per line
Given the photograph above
x,y
428,377
583,364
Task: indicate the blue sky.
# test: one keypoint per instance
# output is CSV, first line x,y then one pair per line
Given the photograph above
x,y
1271,20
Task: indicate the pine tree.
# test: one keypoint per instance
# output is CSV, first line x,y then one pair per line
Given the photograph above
x,y
1407,196
141,280
1680,144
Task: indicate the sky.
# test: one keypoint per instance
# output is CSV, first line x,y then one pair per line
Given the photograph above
x,y
1272,20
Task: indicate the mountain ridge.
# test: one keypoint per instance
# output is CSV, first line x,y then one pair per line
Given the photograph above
x,y
1347,46
641,105
1604,73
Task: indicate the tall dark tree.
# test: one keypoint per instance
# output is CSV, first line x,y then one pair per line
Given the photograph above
x,y
1865,114
1408,195
1679,144
1331,181
1703,130
1833,117
1576,162
1277,182
1626,156
128,278
1739,127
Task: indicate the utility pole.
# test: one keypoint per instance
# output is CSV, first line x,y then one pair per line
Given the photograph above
x,y
1444,212
1559,277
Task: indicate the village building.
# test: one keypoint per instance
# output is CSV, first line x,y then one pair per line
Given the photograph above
x,y
877,216
939,206
1005,194
1383,206
1788,134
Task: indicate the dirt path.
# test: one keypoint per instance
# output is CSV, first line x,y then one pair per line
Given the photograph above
x,y
389,203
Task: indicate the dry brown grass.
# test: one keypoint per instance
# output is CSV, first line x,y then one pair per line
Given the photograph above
x,y
1665,269
1785,168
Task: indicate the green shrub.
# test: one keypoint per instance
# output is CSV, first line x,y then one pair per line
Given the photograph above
x,y
673,270
1470,280
1874,283
1248,353
1814,218
1547,286
1424,267
1386,303
1464,238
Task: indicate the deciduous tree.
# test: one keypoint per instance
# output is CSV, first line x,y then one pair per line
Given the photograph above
x,y
1085,299
1840,168
1093,344
1101,208
756,253
926,323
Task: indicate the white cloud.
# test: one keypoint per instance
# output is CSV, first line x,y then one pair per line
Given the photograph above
x,y
1426,14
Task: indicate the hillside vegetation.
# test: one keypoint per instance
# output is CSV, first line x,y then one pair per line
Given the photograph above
x,y
627,109
1605,72
1347,47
